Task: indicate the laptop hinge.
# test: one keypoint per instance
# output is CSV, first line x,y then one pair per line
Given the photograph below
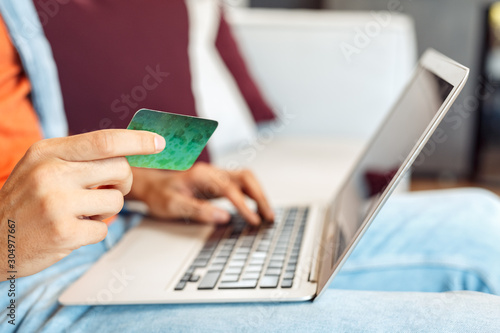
x,y
316,256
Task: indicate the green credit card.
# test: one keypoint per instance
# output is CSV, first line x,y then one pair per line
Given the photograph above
x,y
185,136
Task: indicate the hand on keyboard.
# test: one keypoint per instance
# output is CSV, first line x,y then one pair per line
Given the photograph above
x,y
184,195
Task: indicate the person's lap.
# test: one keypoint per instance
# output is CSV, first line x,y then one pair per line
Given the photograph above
x,y
433,242
430,241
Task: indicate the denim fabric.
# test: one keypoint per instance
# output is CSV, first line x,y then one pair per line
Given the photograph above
x,y
27,36
439,242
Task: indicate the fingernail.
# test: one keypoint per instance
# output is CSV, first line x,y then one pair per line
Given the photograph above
x,y
255,219
221,216
159,143
271,215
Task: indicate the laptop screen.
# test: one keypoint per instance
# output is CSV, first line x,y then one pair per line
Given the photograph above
x,y
385,155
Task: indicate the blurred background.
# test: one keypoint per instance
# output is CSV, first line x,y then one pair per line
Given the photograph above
x,y
469,32
298,86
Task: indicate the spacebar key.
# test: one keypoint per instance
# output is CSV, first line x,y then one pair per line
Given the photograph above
x,y
244,284
209,280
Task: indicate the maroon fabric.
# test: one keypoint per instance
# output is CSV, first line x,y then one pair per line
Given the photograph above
x,y
111,64
230,53
115,57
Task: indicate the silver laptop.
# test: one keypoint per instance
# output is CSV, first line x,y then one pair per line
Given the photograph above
x,y
293,259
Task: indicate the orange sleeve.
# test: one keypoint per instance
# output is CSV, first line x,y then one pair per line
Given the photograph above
x,y
19,127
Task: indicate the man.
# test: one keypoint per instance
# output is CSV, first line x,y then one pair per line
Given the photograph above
x,y
58,194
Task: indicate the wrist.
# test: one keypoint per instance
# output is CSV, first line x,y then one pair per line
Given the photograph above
x,y
143,179
138,185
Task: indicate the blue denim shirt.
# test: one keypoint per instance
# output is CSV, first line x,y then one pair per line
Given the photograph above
x,y
34,50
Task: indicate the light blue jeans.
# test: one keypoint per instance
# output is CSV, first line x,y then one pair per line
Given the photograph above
x,y
429,262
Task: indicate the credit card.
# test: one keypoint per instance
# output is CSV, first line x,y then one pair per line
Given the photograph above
x,y
185,137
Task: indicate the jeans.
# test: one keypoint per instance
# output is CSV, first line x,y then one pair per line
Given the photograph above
x,y
429,262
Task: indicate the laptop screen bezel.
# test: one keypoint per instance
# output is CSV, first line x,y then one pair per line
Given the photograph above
x,y
448,70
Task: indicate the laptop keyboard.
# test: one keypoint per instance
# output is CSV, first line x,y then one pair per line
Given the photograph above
x,y
239,256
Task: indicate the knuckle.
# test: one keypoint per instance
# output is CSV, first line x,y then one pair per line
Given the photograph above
x,y
59,232
230,190
201,165
126,184
44,173
122,169
223,176
201,168
103,142
48,205
172,204
195,170
246,174
36,150
211,190
116,201
101,232
147,143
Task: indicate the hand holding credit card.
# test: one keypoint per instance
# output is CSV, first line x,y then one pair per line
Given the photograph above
x,y
185,137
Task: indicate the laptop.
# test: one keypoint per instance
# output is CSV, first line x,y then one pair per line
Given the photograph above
x,y
293,259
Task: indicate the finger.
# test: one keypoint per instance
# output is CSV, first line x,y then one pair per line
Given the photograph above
x,y
102,144
211,182
91,231
110,173
237,198
252,188
98,204
184,207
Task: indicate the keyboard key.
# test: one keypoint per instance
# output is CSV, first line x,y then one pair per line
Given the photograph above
x,y
186,277
180,285
259,255
194,278
236,263
200,263
224,254
231,242
250,276
280,251
288,275
240,256
269,281
209,280
204,256
219,260
230,278
217,267
234,270
257,261
244,284
278,257
287,283
275,264
273,271
254,268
